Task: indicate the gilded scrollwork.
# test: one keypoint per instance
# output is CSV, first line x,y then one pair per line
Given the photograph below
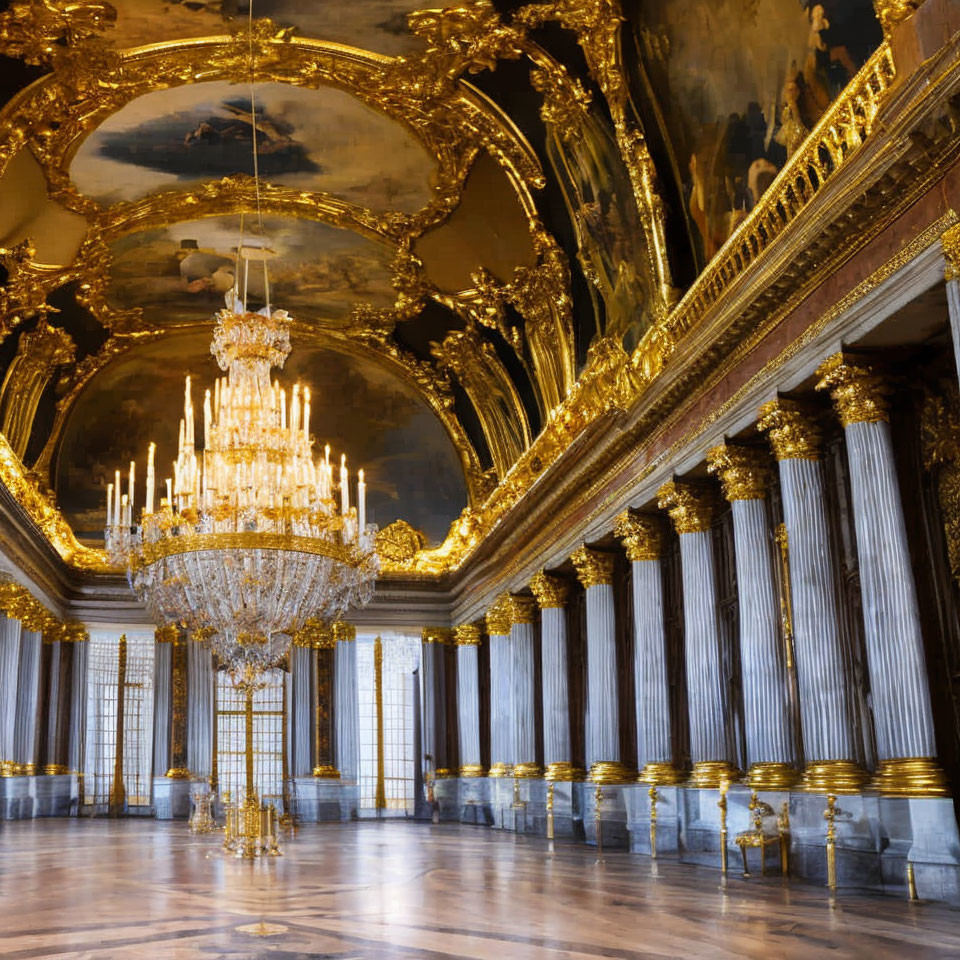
x,y
40,31
399,543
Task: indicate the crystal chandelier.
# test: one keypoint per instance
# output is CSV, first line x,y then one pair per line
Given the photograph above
x,y
254,536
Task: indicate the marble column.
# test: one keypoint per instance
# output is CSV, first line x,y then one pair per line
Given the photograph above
x,y
642,540
162,698
551,594
200,691
523,612
301,708
951,252
346,702
53,745
10,634
78,706
595,572
745,477
467,639
28,692
899,687
825,707
433,706
501,690
711,740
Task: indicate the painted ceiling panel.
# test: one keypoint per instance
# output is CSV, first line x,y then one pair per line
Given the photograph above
x,y
317,140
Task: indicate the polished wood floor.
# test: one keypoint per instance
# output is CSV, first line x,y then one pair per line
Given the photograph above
x,y
100,889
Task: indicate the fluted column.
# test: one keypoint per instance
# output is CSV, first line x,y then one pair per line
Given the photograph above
x,y
522,615
899,688
78,706
10,633
301,708
551,595
346,699
432,682
28,691
162,697
467,639
324,641
825,708
745,477
501,690
711,747
595,572
642,540
200,683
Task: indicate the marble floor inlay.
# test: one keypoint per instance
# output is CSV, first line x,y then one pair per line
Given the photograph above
x,y
101,889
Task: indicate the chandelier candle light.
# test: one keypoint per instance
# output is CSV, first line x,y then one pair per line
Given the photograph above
x,y
249,541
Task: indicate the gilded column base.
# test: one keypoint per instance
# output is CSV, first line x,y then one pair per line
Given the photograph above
x,y
563,771
610,771
28,769
910,777
528,771
772,776
500,770
326,771
178,773
662,773
709,774
472,770
8,768
55,770
834,776
443,773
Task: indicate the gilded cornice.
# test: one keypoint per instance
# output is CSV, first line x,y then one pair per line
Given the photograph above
x,y
549,592
17,603
792,430
594,568
858,393
642,535
689,507
344,632
744,472
467,635
499,617
441,635
522,609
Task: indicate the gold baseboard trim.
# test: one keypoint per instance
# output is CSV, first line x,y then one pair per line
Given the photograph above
x,y
472,770
444,773
500,771
178,773
55,770
562,771
326,771
610,771
661,774
910,777
709,774
834,776
528,771
772,776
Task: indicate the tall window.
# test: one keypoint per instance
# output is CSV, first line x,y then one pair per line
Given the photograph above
x,y
103,696
400,657
268,737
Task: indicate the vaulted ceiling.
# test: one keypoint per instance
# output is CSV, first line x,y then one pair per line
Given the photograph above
x,y
461,202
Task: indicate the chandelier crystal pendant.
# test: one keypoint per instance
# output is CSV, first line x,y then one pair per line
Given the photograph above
x,y
255,535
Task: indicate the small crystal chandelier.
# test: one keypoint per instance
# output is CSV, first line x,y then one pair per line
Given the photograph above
x,y
251,539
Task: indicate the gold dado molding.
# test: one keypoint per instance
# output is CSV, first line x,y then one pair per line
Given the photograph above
x,y
551,593
688,506
744,472
858,393
522,609
441,635
594,568
499,617
467,635
791,428
642,535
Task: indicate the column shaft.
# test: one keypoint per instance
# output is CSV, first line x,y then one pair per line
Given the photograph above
x,y
524,695
301,681
28,689
347,709
603,728
501,707
429,688
468,709
557,750
200,684
78,707
162,706
10,633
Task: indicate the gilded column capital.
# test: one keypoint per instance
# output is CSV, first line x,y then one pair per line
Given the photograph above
x,y
343,632
522,609
549,592
792,430
642,535
858,393
891,13
436,635
466,635
594,568
744,473
950,242
168,634
499,617
689,507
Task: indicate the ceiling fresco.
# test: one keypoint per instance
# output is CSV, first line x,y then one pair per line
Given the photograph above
x,y
377,25
179,274
318,140
741,83
412,469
